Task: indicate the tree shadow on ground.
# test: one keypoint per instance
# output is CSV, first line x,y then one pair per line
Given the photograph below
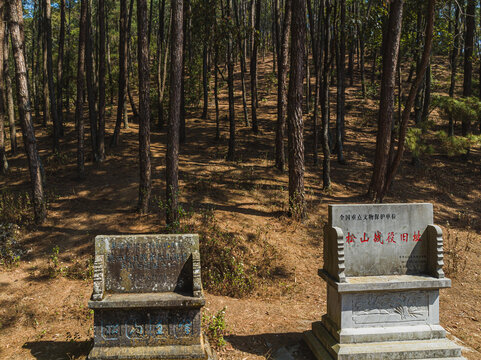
x,y
58,350
272,345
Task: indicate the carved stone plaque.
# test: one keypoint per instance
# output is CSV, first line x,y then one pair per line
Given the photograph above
x,y
372,308
152,327
383,239
143,264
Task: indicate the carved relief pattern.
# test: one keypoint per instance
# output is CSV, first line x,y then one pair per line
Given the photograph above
x,y
98,288
197,283
390,307
340,254
437,241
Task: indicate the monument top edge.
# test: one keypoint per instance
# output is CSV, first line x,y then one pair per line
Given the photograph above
x,y
145,236
380,205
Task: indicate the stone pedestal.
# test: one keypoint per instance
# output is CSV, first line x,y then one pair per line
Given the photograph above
x,y
147,299
393,312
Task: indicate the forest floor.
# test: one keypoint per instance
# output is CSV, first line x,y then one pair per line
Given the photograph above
x,y
44,316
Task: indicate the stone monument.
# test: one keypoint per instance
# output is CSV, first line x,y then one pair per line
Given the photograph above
x,y
383,265
147,298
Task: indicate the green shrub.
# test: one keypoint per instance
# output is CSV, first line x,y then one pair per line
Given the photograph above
x,y
10,249
215,328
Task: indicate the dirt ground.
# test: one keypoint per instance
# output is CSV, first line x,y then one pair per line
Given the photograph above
x,y
44,317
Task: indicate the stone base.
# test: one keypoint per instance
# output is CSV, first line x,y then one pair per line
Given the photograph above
x,y
325,347
170,352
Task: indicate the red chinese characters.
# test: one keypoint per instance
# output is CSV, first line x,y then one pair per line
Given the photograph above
x,y
364,238
390,238
350,238
417,237
378,237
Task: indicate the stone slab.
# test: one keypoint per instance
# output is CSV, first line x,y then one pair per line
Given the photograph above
x,y
383,333
392,350
383,239
201,351
147,300
320,353
147,263
385,283
147,327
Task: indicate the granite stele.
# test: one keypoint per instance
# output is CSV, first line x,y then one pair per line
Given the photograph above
x,y
147,297
383,265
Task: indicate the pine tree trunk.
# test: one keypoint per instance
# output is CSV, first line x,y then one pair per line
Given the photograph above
x,y
242,65
454,64
295,125
3,155
123,64
9,94
282,86
468,60
230,84
161,65
324,99
145,185
23,100
420,73
46,103
89,66
60,81
172,156
101,115
51,85
386,106
205,80
79,121
253,66
341,86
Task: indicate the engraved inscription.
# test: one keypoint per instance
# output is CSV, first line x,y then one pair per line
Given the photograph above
x,y
110,331
155,327
390,307
149,266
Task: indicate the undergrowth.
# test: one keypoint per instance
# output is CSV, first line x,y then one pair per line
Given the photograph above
x,y
16,207
10,249
78,270
455,253
215,327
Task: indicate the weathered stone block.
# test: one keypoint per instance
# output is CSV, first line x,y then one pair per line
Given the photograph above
x,y
147,298
383,269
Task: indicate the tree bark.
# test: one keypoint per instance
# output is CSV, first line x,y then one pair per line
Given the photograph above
x,y
421,71
79,121
9,94
34,162
282,86
145,185
341,84
101,115
51,85
230,84
392,38
253,66
3,155
468,60
172,156
324,99
123,64
242,65
161,65
454,63
60,81
89,67
297,203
